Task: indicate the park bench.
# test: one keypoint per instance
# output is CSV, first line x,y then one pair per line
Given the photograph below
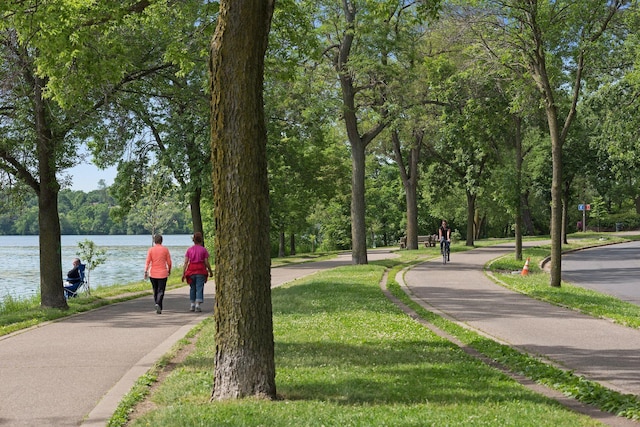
x,y
428,240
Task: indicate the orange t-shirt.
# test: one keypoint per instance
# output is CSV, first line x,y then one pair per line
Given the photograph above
x,y
159,259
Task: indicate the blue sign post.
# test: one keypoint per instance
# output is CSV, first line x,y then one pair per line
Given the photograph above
x,y
583,207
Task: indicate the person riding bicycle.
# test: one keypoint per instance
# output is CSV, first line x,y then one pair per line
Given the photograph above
x,y
444,234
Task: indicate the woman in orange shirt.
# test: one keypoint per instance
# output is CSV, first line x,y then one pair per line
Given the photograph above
x,y
158,269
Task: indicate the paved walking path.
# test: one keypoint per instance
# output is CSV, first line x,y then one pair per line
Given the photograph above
x,y
595,348
64,372
79,368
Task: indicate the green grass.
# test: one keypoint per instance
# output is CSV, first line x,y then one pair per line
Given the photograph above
x,y
347,356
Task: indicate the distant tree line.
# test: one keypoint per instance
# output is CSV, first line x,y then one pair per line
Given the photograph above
x,y
89,213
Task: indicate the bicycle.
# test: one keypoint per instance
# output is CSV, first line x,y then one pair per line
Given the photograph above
x,y
445,250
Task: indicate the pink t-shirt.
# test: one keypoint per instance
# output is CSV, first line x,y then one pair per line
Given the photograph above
x,y
196,255
159,259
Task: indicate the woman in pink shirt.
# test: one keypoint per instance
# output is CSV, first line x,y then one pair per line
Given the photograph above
x,y
196,267
158,269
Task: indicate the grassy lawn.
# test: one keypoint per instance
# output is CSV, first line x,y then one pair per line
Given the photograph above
x,y
347,356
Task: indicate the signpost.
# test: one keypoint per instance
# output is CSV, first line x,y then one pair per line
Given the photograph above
x,y
584,208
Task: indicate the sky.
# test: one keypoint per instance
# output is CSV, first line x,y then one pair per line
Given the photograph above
x,y
86,177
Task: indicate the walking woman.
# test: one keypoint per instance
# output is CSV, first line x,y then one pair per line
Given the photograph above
x,y
196,266
158,269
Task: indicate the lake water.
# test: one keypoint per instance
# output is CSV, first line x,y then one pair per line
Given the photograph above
x,y
124,260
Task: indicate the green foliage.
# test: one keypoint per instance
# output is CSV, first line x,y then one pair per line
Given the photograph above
x,y
90,214
91,256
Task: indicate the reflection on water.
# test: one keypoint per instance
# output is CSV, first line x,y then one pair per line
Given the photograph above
x,y
125,257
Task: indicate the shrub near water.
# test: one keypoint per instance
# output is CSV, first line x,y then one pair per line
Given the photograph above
x,y
346,356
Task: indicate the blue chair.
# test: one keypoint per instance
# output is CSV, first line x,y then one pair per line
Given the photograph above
x,y
73,286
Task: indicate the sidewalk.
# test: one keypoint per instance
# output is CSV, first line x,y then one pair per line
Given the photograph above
x,y
596,349
79,368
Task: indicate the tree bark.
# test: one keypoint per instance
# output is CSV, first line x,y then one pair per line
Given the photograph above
x,y
518,201
471,211
51,289
196,213
409,177
244,359
281,239
358,206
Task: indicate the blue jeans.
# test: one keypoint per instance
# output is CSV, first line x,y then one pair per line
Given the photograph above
x,y
196,293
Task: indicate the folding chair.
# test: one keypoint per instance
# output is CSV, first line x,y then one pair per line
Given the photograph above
x,y
74,286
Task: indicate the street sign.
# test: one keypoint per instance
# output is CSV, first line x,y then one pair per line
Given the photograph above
x,y
580,207
588,207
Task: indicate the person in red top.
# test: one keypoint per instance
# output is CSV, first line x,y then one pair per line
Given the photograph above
x,y
157,269
196,266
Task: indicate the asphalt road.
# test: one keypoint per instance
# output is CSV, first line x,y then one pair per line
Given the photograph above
x,y
611,269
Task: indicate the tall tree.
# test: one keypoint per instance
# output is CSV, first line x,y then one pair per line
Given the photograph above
x,y
557,42
244,359
362,44
62,61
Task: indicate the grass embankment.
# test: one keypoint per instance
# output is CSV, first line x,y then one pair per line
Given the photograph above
x,y
346,355
17,314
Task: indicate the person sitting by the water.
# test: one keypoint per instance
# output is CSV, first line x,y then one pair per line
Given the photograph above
x,y
73,276
74,279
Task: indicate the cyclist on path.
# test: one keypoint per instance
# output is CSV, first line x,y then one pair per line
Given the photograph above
x,y
444,234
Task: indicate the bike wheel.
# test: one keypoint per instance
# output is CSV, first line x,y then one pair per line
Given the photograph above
x,y
444,255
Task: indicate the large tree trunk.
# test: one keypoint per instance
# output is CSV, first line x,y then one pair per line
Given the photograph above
x,y
292,244
51,289
244,359
409,176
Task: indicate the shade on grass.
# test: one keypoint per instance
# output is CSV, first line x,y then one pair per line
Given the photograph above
x,y
346,356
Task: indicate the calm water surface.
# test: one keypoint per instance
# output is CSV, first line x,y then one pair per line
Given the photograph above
x,y
125,258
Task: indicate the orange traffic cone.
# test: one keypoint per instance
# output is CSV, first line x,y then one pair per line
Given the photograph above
x,y
525,269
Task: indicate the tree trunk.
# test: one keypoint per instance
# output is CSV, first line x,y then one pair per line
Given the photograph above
x,y
471,209
527,221
519,207
196,212
51,288
565,213
556,198
409,177
281,239
358,223
292,244
244,359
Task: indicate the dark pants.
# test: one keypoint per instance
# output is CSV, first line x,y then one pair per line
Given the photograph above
x,y
159,285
